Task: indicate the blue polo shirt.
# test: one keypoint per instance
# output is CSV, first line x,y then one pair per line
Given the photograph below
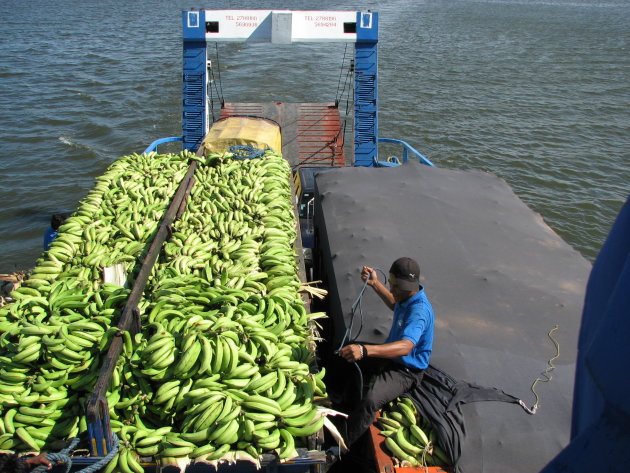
x,y
49,237
413,320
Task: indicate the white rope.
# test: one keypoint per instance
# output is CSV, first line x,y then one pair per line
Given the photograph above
x,y
544,376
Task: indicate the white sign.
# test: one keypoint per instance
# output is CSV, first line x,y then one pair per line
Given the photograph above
x,y
324,25
238,25
256,25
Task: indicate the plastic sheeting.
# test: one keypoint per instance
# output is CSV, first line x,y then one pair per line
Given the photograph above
x,y
601,411
499,280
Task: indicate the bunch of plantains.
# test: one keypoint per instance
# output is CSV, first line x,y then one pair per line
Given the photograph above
x,y
52,338
409,437
221,368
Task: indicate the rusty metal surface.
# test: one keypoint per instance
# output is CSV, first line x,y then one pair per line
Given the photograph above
x,y
312,133
383,461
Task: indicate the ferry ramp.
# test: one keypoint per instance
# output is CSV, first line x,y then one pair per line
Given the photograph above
x,y
312,133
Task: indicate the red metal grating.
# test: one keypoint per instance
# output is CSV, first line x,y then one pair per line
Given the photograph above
x,y
312,133
320,136
253,109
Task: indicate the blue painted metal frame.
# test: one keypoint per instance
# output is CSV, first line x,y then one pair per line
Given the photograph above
x,y
406,149
194,79
195,114
100,432
154,146
366,90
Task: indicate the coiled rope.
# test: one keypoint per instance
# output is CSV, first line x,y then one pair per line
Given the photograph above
x,y
246,152
544,377
358,303
64,457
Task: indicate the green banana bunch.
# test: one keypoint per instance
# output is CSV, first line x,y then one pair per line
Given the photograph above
x,y
225,332
63,317
238,228
408,436
115,222
221,366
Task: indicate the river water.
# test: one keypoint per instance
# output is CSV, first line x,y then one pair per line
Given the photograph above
x,y
537,92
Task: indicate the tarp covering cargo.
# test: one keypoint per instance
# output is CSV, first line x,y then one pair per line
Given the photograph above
x,y
499,280
600,434
243,131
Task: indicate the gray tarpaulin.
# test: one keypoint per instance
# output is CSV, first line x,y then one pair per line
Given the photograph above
x,y
499,280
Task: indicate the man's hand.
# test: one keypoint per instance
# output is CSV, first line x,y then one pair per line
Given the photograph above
x,y
38,460
369,274
351,353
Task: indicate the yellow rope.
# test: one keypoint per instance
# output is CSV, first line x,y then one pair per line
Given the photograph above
x,y
546,375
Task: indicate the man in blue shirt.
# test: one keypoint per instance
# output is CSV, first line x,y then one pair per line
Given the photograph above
x,y
405,353
51,233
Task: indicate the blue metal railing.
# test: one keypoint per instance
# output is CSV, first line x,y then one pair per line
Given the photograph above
x,y
406,149
153,146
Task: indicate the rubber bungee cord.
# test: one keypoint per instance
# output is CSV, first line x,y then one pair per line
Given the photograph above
x,y
63,456
348,334
544,377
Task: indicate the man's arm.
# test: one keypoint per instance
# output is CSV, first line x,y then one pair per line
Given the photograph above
x,y
369,274
355,352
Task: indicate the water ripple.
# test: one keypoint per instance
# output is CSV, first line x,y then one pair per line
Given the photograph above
x,y
535,92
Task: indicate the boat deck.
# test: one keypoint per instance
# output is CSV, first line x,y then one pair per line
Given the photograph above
x,y
499,280
312,133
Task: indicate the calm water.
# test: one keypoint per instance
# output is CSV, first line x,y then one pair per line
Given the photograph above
x,y
536,92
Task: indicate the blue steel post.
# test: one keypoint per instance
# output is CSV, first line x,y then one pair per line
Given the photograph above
x,y
366,90
194,113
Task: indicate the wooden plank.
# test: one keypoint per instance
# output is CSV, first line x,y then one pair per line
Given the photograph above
x,y
384,462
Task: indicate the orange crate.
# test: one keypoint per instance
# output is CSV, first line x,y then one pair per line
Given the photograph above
x,y
384,463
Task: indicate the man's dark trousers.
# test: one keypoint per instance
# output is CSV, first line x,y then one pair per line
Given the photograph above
x,y
392,381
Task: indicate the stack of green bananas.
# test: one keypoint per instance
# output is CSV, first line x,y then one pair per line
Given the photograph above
x,y
222,366
49,362
114,223
408,436
238,229
206,371
53,336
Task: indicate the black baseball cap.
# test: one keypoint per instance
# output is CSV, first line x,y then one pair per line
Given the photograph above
x,y
407,272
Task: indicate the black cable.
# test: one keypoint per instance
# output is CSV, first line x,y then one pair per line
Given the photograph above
x,y
211,96
342,129
348,334
216,46
343,62
346,82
